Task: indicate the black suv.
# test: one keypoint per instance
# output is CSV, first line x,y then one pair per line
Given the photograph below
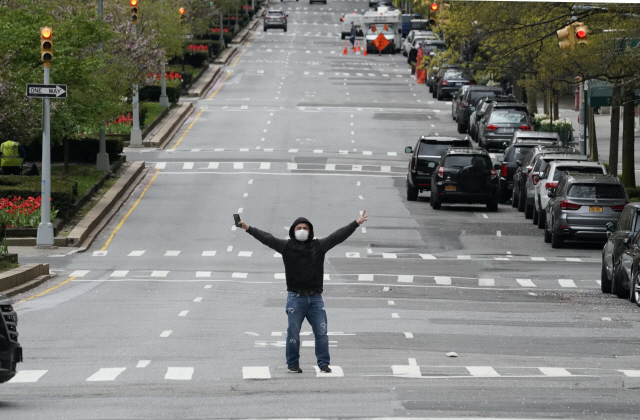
x,y
10,350
465,175
425,157
467,104
508,165
619,238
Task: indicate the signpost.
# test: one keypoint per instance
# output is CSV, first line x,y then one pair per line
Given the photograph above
x,y
46,91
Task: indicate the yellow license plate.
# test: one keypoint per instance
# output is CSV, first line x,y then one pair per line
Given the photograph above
x,y
453,188
595,209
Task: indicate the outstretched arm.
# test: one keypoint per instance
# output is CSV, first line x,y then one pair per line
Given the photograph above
x,y
265,237
342,234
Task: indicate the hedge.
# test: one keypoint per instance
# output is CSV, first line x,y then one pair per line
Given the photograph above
x,y
63,190
152,93
80,151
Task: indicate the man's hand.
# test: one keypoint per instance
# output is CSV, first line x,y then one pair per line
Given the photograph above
x,y
362,218
243,225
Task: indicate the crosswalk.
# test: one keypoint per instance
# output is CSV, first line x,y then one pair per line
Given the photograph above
x,y
276,166
417,279
85,375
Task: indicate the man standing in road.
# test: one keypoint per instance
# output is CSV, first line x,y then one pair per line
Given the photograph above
x,y
303,258
352,37
13,155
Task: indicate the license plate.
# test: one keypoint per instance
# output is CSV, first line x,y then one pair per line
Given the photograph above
x,y
453,188
595,209
509,130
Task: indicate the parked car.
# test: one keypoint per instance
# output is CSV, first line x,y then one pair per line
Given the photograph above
x,y
549,177
581,206
456,99
464,175
467,104
540,137
428,47
620,236
406,45
436,73
275,18
524,168
481,106
10,349
498,124
450,82
540,164
426,155
626,281
512,154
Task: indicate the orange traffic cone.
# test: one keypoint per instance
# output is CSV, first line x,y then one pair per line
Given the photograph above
x,y
421,76
358,45
365,49
345,48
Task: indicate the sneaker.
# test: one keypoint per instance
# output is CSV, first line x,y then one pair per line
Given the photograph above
x,y
325,369
294,369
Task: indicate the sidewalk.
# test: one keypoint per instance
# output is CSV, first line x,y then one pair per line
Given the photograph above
x,y
603,132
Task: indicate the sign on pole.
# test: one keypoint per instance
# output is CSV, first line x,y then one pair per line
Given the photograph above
x,y
46,91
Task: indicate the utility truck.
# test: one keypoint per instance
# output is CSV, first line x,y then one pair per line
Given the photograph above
x,y
389,24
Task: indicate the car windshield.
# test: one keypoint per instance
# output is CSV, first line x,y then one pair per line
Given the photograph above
x,y
417,41
275,13
476,94
432,48
508,117
453,74
541,140
520,152
596,191
462,161
576,169
438,149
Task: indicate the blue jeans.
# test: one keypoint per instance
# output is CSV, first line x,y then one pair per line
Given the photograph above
x,y
311,307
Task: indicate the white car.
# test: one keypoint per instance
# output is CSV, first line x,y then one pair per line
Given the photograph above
x,y
549,179
408,41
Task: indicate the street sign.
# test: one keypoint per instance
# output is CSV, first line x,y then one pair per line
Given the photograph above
x,y
600,93
46,91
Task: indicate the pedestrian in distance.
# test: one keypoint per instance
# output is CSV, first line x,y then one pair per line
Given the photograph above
x,y
352,37
12,155
303,257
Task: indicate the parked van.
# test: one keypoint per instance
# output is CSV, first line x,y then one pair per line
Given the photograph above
x,y
386,22
406,23
346,25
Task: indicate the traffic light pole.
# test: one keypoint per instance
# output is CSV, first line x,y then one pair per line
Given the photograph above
x,y
102,158
164,99
135,140
44,237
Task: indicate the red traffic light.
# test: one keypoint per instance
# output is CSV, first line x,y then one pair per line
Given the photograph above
x,y
434,6
581,33
46,33
181,10
133,3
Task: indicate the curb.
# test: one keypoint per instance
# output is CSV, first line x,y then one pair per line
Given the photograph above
x,y
87,225
225,57
23,278
242,36
205,82
172,125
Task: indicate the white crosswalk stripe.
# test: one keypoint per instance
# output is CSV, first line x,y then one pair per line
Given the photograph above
x,y
28,376
106,374
179,373
482,371
256,372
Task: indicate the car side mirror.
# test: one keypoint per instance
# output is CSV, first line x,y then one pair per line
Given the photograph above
x,y
504,144
518,163
551,192
500,159
611,227
408,149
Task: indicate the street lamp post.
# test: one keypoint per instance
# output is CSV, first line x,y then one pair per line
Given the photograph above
x,y
102,158
135,139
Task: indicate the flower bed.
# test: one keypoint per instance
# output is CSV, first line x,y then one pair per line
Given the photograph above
x,y
23,213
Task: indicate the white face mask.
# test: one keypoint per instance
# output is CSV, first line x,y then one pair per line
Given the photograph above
x,y
302,235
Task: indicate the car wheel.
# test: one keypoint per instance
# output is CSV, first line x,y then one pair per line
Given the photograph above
x,y
535,215
430,89
616,284
492,207
439,96
514,199
605,283
521,201
461,128
502,199
636,289
547,233
633,291
265,29
435,91
541,216
412,193
557,241
342,36
528,209
285,29
435,204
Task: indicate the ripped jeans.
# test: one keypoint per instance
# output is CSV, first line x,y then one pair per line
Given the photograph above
x,y
311,307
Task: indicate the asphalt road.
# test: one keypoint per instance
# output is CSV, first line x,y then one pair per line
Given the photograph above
x,y
174,313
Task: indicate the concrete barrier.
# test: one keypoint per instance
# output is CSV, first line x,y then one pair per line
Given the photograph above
x,y
23,278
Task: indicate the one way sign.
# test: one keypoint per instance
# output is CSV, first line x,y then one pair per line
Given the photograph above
x,y
46,91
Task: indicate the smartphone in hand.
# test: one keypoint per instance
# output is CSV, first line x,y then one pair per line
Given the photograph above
x,y
236,219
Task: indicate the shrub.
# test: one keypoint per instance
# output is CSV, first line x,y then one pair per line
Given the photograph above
x,y
152,93
63,190
196,59
80,150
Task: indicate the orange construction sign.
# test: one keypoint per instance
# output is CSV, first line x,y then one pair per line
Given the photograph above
x,y
373,29
381,42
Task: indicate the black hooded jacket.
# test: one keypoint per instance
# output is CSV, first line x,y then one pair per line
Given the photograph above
x,y
303,261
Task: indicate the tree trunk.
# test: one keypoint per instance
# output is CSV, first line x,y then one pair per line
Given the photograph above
x,y
532,101
593,138
615,131
628,170
545,100
556,111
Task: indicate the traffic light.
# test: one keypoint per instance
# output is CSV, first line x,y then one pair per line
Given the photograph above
x,y
134,11
433,10
434,7
46,45
582,34
182,16
566,37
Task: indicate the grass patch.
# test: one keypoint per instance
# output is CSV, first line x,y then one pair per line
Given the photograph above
x,y
7,265
153,110
85,175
